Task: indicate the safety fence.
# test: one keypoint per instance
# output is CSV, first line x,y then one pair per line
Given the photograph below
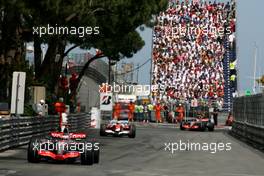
x,y
249,119
16,131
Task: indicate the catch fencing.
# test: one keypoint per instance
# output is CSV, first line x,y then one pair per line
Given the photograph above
x,y
17,131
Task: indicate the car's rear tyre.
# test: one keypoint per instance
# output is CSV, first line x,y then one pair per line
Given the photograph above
x,y
202,127
102,130
96,149
32,153
132,131
181,127
87,157
210,127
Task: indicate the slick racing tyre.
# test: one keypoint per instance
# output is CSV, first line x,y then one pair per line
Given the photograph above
x,y
32,153
87,156
181,127
102,130
132,131
96,149
210,126
202,127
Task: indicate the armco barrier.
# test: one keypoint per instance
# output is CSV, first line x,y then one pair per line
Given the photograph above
x,y
249,133
17,131
249,109
249,119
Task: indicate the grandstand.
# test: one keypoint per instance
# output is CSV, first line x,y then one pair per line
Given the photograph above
x,y
193,46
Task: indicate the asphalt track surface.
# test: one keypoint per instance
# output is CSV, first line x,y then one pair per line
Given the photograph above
x,y
146,156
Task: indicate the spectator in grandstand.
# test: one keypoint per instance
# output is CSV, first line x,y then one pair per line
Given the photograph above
x,y
188,49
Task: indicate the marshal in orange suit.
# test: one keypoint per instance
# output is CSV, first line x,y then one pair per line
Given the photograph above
x,y
158,109
131,110
117,110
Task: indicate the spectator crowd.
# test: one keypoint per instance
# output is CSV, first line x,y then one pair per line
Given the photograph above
x,y
188,49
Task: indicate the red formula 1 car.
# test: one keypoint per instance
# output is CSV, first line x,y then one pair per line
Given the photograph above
x,y
199,124
63,146
60,146
118,128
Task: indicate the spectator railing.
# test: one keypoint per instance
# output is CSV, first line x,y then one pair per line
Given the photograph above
x,y
17,131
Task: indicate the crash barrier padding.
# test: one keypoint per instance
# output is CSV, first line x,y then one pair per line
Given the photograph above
x,y
17,131
249,133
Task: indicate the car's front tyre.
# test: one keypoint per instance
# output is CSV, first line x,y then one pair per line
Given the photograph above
x,y
210,126
96,149
102,130
132,131
87,157
181,126
32,153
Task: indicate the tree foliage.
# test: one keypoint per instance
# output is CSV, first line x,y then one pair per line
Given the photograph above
x,y
117,21
261,80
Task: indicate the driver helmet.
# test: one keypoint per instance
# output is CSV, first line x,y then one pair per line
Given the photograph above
x,y
42,101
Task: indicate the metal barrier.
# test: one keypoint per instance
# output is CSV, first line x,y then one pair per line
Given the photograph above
x,y
249,133
249,109
17,131
249,119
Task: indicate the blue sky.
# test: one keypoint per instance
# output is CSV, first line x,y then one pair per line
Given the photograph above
x,y
250,30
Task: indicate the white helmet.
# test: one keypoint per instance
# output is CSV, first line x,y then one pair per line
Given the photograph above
x,y
42,101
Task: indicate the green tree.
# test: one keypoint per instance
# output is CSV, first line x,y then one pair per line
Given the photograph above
x,y
12,44
117,21
261,80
